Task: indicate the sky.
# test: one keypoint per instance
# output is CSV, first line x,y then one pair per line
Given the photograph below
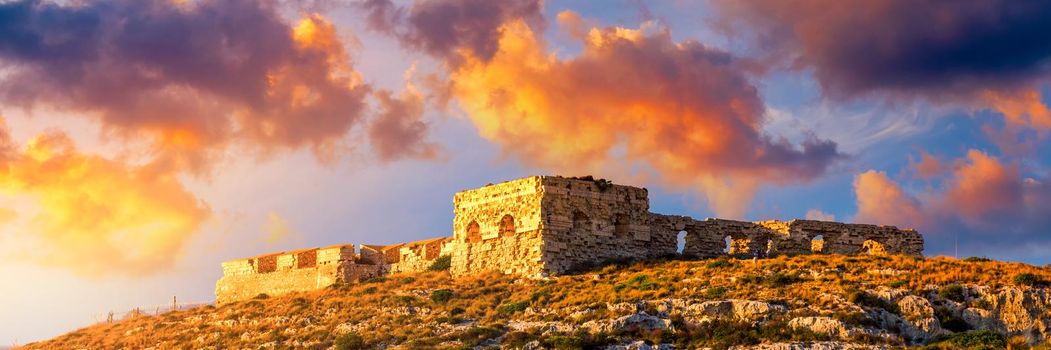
x,y
145,141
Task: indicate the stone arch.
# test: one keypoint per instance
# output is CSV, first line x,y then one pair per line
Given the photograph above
x,y
817,244
507,226
473,233
728,249
872,247
621,226
680,242
581,222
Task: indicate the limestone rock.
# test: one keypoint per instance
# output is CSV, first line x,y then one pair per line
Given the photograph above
x,y
734,309
824,325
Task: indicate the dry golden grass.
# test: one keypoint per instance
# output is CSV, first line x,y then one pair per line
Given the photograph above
x,y
399,309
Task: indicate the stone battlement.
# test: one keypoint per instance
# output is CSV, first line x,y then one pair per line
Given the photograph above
x,y
552,225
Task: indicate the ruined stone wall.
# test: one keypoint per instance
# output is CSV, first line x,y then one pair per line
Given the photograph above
x,y
418,256
587,223
550,225
280,273
708,238
498,228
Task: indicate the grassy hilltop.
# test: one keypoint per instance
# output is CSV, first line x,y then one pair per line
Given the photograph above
x,y
817,301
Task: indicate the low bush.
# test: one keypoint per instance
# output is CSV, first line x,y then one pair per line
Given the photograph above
x,y
721,263
510,308
1028,279
975,340
779,280
442,263
350,341
954,292
441,296
863,298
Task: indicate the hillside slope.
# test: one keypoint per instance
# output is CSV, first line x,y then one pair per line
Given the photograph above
x,y
817,301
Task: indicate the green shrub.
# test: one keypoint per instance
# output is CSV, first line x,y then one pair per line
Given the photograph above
x,y
977,259
441,296
975,340
863,298
511,308
350,341
261,296
442,263
898,284
1028,279
719,264
476,335
779,280
954,292
715,292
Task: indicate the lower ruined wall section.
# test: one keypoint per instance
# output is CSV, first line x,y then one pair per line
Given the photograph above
x,y
296,271
518,254
715,237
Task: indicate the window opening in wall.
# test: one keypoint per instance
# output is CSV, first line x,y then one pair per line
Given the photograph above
x,y
474,232
680,242
622,226
871,247
817,244
729,244
507,226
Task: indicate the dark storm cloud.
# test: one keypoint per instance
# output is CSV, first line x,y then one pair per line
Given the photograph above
x,y
442,27
943,49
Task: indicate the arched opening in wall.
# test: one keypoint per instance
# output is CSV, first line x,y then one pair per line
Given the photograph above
x,y
768,249
507,226
474,232
817,244
680,242
870,247
729,245
581,223
621,226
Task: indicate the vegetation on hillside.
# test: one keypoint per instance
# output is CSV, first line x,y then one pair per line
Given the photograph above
x,y
433,310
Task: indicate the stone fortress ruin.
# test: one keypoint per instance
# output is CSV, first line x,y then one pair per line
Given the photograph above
x,y
550,225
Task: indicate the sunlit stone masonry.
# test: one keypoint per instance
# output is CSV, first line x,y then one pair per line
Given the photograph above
x,y
551,225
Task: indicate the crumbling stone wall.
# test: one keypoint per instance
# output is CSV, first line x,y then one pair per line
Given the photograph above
x,y
418,256
588,222
550,225
708,238
280,273
498,228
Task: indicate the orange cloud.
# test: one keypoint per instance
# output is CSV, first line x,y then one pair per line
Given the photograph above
x,y
398,130
817,214
1024,108
98,216
193,78
633,100
927,167
983,186
882,201
981,196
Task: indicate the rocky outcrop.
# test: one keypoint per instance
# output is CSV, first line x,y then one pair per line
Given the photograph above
x,y
825,325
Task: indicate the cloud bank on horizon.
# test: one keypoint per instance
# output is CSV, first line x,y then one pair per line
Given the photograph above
x,y
202,83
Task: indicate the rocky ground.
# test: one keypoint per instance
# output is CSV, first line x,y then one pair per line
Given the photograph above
x,y
803,302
